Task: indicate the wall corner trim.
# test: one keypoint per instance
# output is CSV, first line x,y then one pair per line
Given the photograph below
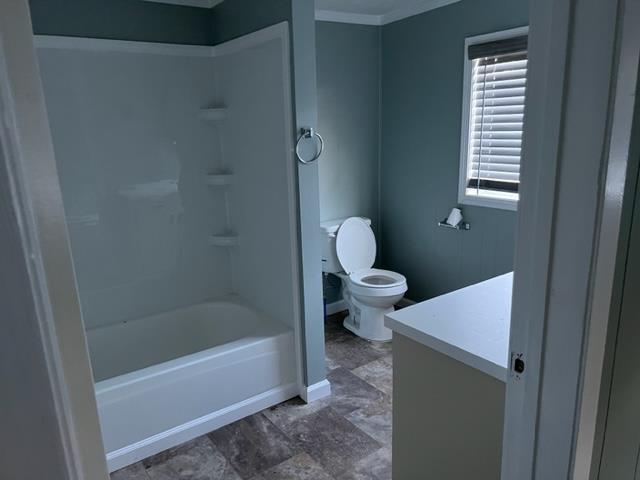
x,y
316,391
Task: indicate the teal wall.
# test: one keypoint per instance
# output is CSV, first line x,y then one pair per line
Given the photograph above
x,y
348,70
122,20
349,117
234,18
396,92
422,77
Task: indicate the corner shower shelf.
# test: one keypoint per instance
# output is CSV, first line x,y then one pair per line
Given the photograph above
x,y
213,114
219,179
223,240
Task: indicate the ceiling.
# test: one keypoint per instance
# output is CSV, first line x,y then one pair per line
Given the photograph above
x,y
373,12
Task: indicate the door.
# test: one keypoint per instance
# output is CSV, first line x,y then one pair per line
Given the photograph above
x,y
621,449
580,95
47,405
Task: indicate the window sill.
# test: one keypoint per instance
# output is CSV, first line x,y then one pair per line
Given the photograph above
x,y
490,202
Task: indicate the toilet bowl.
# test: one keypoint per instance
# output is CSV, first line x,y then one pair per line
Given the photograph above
x,y
370,293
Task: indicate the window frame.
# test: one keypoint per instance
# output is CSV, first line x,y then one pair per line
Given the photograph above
x,y
463,198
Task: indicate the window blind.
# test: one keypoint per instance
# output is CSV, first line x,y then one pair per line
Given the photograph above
x,y
498,47
498,86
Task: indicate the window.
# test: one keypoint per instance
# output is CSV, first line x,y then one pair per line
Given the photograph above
x,y
492,118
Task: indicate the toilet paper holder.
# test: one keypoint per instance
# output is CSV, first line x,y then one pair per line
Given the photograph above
x,y
461,226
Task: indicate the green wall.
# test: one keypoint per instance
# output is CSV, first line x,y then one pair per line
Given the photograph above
x,y
422,77
234,18
349,117
122,20
389,106
348,69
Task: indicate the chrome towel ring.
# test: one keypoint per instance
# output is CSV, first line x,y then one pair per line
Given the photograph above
x,y
310,133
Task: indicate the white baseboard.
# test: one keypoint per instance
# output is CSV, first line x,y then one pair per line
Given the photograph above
x,y
195,428
335,307
405,302
316,391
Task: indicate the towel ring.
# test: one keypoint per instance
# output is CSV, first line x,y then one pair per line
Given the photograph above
x,y
309,133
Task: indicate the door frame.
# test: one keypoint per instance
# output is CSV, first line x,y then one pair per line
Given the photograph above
x,y
583,75
613,244
34,225
553,259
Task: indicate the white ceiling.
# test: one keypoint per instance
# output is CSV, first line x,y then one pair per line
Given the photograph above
x,y
373,12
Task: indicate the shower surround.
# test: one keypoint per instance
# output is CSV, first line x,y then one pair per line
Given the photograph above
x,y
178,183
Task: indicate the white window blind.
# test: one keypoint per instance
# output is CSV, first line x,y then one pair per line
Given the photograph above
x,y
496,116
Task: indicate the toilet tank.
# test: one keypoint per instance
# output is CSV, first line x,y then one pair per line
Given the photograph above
x,y
328,230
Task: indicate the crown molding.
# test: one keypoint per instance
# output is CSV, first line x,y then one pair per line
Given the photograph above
x,y
345,17
274,32
106,45
390,17
190,3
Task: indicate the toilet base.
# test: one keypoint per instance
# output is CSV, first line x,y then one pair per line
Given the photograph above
x,y
368,322
367,319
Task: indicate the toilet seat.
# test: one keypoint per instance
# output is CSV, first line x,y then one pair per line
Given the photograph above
x,y
355,245
361,286
376,278
356,250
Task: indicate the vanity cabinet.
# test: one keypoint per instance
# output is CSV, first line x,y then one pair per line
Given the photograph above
x,y
450,358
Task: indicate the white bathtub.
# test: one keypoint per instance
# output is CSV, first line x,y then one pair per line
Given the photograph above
x,y
167,378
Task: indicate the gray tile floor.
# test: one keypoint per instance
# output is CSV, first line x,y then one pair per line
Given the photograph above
x,y
344,437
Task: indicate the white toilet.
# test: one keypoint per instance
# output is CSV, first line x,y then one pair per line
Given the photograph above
x,y
349,251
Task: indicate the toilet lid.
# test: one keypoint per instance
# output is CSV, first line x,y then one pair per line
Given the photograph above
x,y
355,245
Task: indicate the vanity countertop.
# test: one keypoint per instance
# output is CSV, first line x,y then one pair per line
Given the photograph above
x,y
470,325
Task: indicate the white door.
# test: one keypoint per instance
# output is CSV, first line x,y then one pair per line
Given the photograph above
x,y
581,91
48,416
621,448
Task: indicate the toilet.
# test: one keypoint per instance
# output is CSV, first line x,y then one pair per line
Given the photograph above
x,y
349,251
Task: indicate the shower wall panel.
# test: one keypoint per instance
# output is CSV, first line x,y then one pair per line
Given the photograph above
x,y
262,202
132,157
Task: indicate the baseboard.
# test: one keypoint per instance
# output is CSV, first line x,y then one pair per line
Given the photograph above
x,y
405,302
335,307
316,391
195,428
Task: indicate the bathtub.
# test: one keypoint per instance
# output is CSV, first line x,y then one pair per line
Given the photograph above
x,y
167,378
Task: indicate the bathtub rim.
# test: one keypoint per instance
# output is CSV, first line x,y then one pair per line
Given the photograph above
x,y
266,328
109,385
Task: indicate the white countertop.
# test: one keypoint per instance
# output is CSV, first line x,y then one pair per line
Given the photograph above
x,y
470,325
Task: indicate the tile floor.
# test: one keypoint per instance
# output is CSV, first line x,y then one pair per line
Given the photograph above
x,y
345,436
